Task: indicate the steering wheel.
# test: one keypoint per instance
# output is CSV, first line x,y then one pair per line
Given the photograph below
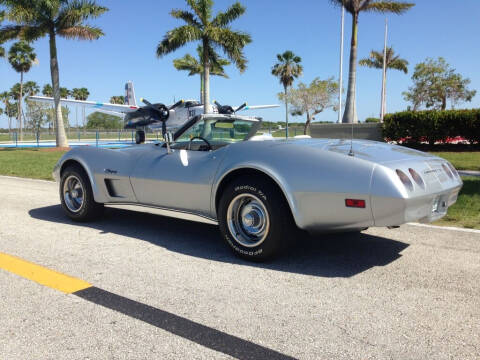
x,y
201,138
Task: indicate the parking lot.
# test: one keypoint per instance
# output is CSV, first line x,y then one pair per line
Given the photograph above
x,y
164,288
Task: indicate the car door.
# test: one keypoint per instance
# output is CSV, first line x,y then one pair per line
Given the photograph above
x,y
180,180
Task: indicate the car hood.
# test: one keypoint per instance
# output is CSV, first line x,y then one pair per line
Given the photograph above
x,y
374,151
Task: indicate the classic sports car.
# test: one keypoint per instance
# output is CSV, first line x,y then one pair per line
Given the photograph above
x,y
257,189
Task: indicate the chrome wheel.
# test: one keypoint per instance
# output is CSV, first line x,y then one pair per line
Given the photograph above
x,y
248,220
73,193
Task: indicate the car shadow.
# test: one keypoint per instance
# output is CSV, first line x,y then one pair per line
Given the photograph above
x,y
327,255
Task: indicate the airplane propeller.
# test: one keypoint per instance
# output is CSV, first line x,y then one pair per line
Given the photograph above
x,y
161,111
227,109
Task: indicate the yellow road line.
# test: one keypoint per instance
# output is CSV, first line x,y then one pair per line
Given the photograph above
x,y
41,275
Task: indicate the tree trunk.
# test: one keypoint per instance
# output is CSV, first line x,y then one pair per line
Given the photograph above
x,y
201,87
206,79
350,114
60,137
444,102
307,124
20,106
286,112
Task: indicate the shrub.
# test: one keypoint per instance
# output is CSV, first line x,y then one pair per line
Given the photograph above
x,y
432,126
372,120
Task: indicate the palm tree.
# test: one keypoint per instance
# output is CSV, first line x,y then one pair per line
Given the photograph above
x,y
287,70
5,99
22,57
355,7
47,90
392,62
117,100
40,18
212,33
195,67
2,49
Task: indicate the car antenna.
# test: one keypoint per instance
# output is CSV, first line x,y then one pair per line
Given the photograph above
x,y
351,153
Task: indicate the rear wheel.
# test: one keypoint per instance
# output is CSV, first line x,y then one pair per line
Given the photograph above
x,y
254,218
140,137
76,195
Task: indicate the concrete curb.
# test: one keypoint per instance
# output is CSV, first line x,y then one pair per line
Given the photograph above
x,y
451,228
27,179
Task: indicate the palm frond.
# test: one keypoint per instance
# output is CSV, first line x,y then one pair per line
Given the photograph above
x,y
2,52
348,4
10,32
81,32
370,63
232,43
176,38
76,12
395,7
224,18
205,8
188,63
194,6
186,16
375,61
399,64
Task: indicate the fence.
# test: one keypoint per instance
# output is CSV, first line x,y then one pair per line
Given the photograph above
x,y
98,137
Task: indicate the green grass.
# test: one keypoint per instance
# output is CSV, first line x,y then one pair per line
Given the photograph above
x,y
37,164
466,211
462,160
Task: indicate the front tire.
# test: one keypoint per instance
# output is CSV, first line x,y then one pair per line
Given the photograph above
x,y
254,218
76,195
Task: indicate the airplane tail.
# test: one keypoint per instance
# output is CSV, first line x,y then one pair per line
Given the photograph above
x,y
130,94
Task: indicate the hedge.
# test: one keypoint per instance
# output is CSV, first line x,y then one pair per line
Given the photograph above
x,y
432,126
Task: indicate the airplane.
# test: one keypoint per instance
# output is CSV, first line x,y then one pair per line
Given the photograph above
x,y
150,115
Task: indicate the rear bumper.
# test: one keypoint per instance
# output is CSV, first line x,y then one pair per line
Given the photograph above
x,y
388,211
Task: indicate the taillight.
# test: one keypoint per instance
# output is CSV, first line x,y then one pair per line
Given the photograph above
x,y
417,178
405,179
454,171
355,203
447,170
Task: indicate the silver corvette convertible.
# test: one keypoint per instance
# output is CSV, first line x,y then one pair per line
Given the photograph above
x,y
259,190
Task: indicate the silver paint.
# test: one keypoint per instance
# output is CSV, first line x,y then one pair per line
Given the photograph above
x,y
314,175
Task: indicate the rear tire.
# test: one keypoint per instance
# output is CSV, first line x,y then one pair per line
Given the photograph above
x,y
254,218
140,137
76,195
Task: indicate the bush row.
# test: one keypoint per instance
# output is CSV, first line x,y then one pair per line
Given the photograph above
x,y
432,126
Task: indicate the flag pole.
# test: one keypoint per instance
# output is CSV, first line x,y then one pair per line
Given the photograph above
x,y
384,74
340,85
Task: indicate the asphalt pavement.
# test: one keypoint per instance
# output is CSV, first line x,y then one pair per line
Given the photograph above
x,y
164,288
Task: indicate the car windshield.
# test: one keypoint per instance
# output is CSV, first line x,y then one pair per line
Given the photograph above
x,y
218,131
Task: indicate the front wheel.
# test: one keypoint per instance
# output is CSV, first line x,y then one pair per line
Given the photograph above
x,y
255,218
76,195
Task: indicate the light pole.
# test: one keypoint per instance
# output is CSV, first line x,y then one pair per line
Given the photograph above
x,y
340,85
384,74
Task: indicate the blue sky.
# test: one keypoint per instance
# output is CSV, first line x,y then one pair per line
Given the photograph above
x,y
309,28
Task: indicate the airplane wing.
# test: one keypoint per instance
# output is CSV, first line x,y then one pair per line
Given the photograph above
x,y
105,107
256,107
